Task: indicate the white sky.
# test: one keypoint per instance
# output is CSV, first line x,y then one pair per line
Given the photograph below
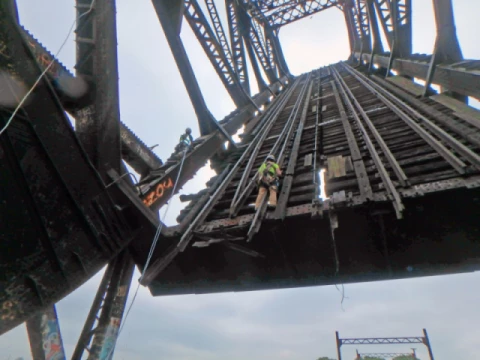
x,y
282,324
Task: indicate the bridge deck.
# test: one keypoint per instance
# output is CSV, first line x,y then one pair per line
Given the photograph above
x,y
402,174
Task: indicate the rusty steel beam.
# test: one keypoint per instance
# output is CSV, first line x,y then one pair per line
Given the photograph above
x,y
363,25
396,19
106,333
134,151
167,14
217,50
243,25
351,22
75,226
44,335
293,11
237,45
462,78
447,48
88,330
98,126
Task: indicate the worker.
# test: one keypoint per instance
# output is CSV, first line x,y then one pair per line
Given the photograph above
x,y
186,140
267,180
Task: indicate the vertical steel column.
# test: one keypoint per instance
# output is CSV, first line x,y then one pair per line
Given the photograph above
x,y
350,23
43,328
106,333
447,49
44,334
427,344
88,328
278,51
170,16
377,47
339,344
100,131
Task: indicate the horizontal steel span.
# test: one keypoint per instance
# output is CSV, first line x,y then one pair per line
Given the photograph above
x,y
388,157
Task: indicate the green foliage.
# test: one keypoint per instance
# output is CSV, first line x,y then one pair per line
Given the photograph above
x,y
372,358
324,358
404,357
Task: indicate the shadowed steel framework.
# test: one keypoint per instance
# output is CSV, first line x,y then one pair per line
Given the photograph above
x,y
401,163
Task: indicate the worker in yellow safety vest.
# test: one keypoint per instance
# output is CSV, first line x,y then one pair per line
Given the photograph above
x,y
267,180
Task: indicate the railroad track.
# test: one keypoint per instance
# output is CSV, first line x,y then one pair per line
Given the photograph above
x,y
378,144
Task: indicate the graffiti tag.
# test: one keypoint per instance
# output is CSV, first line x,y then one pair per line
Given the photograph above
x,y
52,342
158,192
110,338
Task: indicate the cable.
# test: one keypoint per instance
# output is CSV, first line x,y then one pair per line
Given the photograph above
x,y
20,104
152,249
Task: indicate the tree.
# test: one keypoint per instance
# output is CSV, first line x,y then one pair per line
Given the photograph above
x,y
372,358
404,357
324,358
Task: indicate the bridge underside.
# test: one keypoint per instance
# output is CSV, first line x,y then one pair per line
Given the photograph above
x,y
438,235
402,177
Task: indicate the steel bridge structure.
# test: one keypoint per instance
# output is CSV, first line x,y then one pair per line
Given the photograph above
x,y
399,161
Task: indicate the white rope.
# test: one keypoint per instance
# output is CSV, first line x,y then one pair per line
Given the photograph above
x,y
152,249
20,104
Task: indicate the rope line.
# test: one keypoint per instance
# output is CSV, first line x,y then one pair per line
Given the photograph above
x,y
152,249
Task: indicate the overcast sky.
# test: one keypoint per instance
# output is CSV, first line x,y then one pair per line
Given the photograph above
x,y
283,324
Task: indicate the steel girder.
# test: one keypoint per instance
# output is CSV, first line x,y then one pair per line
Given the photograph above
x,y
169,15
282,12
269,39
244,26
358,25
257,41
137,154
236,40
396,19
462,77
447,49
98,125
43,328
383,341
217,50
60,224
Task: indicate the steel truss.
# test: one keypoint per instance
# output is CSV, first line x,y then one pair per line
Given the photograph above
x,y
384,341
253,30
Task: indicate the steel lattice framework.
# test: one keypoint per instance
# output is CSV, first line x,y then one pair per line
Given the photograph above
x,y
385,341
384,355
391,149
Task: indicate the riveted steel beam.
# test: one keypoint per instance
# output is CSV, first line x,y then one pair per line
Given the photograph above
x,y
98,125
217,50
447,49
237,45
462,78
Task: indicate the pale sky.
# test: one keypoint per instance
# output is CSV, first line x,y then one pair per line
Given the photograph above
x,y
282,324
